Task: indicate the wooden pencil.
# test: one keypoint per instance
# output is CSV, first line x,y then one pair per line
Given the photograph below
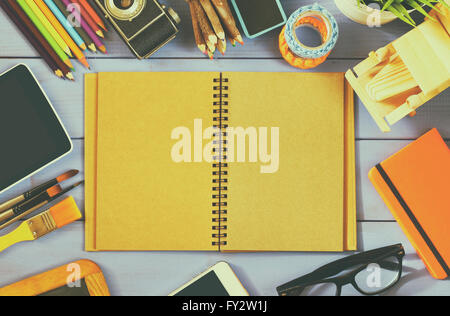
x,y
97,10
222,46
26,22
48,26
203,21
87,40
87,28
44,32
65,23
213,18
93,14
84,14
199,39
227,18
61,30
33,41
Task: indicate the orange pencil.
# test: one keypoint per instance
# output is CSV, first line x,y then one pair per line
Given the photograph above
x,y
87,18
93,14
62,31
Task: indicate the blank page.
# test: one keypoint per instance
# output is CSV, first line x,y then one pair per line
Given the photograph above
x,y
300,207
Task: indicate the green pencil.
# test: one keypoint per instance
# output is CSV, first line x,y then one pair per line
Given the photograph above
x,y
45,33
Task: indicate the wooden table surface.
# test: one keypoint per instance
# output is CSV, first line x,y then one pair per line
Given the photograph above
x,y
157,273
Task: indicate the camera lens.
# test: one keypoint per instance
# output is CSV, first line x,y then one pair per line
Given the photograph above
x,y
125,10
123,4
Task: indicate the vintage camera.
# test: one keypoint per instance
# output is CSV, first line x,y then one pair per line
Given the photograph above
x,y
145,25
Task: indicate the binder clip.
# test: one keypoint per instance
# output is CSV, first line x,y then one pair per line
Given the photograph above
x,y
399,78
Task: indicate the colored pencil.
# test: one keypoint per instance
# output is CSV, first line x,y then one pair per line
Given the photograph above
x,y
93,14
97,10
63,9
65,23
60,29
87,28
40,15
55,47
33,41
87,18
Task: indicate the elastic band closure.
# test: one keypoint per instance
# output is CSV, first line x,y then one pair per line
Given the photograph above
x,y
413,219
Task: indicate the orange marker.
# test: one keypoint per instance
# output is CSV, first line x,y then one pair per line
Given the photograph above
x,y
93,14
62,32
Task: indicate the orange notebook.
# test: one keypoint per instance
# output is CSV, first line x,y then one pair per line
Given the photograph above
x,y
415,185
155,179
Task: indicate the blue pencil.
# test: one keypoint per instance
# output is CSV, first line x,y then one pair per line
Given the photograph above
x,y
69,28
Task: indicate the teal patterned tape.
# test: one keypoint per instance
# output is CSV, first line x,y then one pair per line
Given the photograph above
x,y
311,52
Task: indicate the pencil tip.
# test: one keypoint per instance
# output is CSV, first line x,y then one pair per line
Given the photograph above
x,y
70,76
100,33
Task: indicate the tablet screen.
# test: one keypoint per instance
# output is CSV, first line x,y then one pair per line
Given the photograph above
x,y
259,15
31,135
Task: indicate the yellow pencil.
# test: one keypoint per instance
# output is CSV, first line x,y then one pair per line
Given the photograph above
x,y
62,32
40,15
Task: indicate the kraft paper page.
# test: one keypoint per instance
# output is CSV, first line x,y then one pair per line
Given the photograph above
x,y
299,207
146,201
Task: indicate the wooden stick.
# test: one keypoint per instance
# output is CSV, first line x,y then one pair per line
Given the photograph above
x,y
213,18
206,28
228,20
199,39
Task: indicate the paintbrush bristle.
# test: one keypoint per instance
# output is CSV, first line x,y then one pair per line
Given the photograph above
x,y
54,190
69,174
65,212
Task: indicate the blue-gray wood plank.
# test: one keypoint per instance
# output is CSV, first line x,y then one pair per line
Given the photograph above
x,y
159,273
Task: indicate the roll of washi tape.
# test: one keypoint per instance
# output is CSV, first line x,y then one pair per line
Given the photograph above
x,y
294,51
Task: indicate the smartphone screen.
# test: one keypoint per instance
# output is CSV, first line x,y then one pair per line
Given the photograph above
x,y
208,285
259,15
31,135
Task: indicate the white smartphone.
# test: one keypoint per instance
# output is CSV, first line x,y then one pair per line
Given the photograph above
x,y
219,280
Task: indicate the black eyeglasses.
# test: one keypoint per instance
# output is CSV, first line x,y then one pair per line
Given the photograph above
x,y
370,273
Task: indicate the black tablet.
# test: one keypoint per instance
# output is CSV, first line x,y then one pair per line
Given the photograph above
x,y
31,133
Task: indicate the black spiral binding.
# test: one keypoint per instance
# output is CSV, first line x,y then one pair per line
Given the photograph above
x,y
220,167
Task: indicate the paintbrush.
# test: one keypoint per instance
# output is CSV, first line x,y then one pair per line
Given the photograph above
x,y
41,202
60,215
37,190
29,204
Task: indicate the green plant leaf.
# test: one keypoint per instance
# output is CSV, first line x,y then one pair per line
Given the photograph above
x,y
387,5
419,8
398,14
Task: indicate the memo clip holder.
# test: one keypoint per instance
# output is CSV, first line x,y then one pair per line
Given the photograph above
x,y
399,78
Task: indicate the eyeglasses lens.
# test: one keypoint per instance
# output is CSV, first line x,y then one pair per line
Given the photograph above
x,y
377,277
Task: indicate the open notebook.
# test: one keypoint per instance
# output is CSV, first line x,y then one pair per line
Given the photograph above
x,y
219,162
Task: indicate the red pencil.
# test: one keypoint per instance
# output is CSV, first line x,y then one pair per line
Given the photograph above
x,y
87,18
93,14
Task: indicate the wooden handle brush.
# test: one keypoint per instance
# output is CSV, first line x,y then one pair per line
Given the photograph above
x,y
56,217
37,190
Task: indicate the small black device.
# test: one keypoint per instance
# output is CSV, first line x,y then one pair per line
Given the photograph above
x,y
145,25
258,17
31,134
